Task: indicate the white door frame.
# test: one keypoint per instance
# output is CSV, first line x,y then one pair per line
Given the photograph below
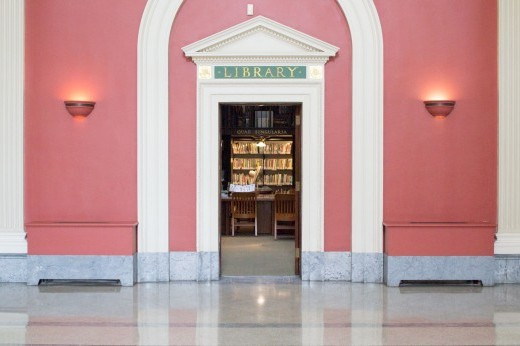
x,y
211,93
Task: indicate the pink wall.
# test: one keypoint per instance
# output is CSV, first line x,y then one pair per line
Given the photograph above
x,y
433,170
321,19
81,170
440,170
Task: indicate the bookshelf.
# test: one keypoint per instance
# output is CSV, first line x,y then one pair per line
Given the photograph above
x,y
275,161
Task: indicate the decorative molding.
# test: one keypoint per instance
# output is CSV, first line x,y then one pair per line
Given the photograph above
x,y
508,236
367,125
12,242
12,25
213,60
508,243
367,47
265,30
152,119
257,37
307,92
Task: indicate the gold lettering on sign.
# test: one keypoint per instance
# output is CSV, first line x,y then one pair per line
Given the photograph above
x,y
256,72
226,75
292,70
245,72
279,72
268,71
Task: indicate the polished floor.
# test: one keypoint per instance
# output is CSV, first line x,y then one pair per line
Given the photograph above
x,y
257,256
259,313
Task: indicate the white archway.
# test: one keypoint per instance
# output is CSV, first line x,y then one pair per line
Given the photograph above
x,y
367,160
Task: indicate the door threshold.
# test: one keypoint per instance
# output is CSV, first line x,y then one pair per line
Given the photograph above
x,y
264,279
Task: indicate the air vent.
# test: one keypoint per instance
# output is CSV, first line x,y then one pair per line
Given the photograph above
x,y
417,283
62,282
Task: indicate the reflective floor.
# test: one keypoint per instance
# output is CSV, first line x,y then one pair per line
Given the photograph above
x,y
231,313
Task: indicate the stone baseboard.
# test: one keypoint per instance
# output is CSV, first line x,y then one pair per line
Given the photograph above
x,y
507,269
326,266
81,267
397,268
13,268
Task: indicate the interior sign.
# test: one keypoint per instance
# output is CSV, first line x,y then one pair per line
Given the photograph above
x,y
260,72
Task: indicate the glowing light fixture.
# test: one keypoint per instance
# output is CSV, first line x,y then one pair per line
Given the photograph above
x,y
79,108
439,108
261,143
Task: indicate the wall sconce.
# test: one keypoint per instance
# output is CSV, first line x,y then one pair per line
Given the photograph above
x,y
79,108
439,108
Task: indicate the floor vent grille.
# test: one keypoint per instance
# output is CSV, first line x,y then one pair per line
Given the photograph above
x,y
418,283
63,282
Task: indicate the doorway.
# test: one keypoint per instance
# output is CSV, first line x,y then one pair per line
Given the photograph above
x,y
260,175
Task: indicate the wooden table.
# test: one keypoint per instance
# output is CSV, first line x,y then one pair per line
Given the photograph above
x,y
265,214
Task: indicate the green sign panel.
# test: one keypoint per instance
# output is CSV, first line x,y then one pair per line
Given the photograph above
x,y
260,72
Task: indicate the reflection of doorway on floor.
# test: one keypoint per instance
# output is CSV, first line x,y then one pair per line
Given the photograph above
x,y
257,256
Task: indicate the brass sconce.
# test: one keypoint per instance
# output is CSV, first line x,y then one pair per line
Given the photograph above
x,y
80,108
439,108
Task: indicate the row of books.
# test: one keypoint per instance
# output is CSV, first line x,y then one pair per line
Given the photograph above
x,y
245,148
274,164
278,179
240,163
278,148
251,147
241,179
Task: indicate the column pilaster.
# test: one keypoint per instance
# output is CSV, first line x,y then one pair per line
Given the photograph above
x,y
12,234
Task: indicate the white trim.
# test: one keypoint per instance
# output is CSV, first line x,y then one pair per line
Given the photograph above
x,y
12,242
152,119
508,236
507,243
367,198
12,35
367,125
297,45
310,95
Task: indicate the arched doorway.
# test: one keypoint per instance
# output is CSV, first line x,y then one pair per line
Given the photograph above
x,y
367,261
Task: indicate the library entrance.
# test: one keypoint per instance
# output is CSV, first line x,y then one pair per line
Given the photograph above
x,y
260,169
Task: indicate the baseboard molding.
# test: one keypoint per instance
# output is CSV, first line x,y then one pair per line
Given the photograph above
x,y
13,268
398,268
507,243
13,242
81,267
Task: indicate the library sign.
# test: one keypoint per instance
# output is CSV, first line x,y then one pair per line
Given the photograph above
x,y
260,72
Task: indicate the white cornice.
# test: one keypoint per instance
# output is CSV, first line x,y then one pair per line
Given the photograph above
x,y
263,40
212,60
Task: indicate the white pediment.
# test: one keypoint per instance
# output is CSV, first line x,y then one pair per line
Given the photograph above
x,y
260,39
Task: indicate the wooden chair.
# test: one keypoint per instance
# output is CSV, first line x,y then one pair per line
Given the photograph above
x,y
284,211
243,211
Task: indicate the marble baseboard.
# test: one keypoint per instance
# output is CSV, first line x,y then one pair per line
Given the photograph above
x,y
326,266
194,266
66,267
13,268
367,267
507,269
153,267
399,268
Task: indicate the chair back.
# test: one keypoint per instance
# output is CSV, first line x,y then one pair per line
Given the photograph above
x,y
243,204
284,207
